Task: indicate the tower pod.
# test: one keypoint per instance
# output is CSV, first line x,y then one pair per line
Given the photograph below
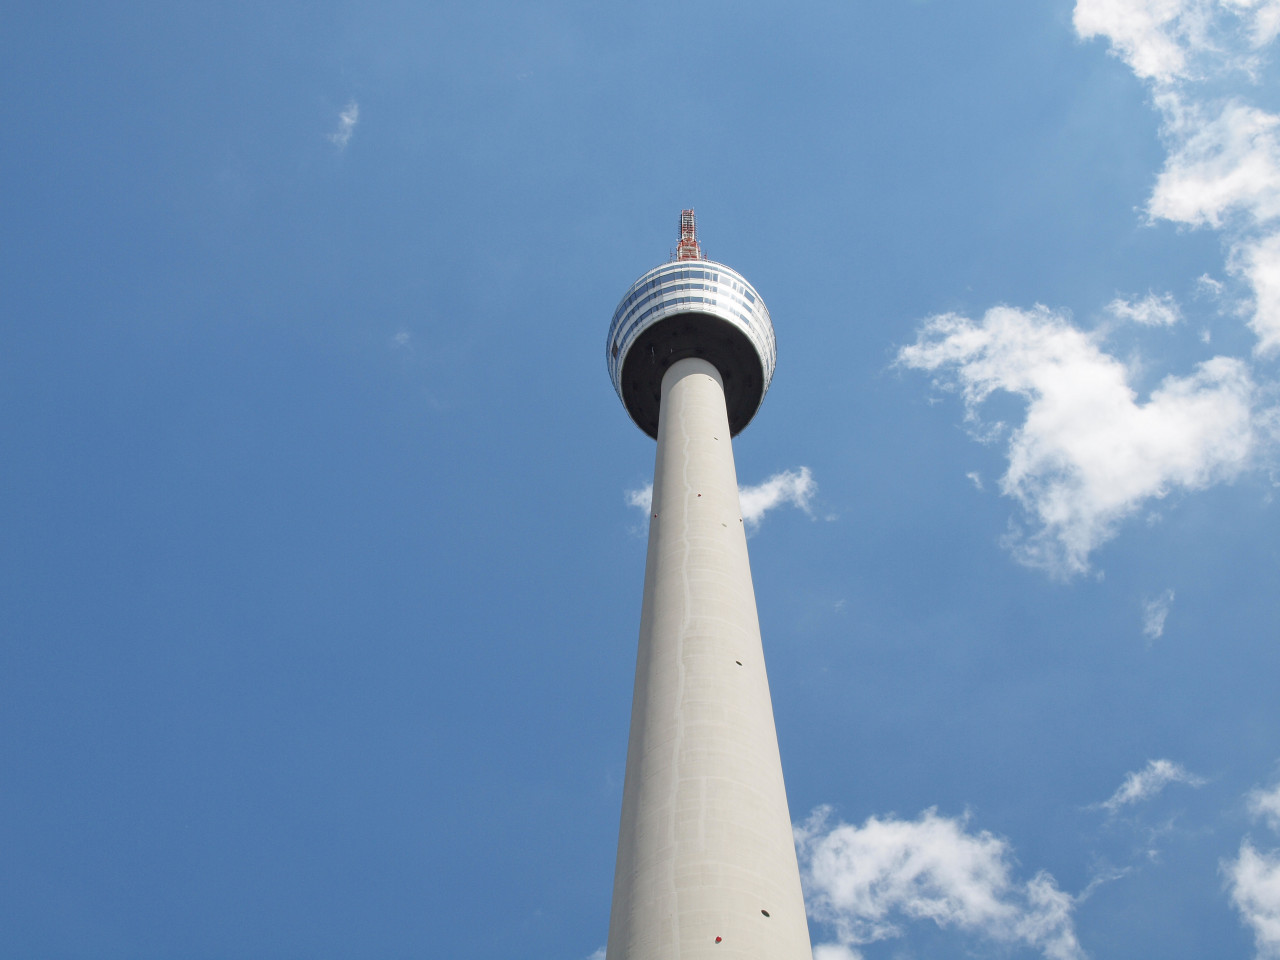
x,y
691,307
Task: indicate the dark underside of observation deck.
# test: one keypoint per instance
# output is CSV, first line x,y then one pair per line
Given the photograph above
x,y
692,335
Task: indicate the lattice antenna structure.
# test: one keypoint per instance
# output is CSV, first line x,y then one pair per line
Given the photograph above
x,y
688,248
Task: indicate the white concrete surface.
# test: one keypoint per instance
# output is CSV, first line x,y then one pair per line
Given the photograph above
x,y
705,845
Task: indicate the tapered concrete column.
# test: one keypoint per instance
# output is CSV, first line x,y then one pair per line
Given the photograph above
x,y
706,862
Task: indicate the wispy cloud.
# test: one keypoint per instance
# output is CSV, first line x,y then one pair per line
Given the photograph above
x,y
347,121
835,951
795,487
866,882
1089,453
1150,311
1264,804
640,498
1144,784
1155,610
1258,261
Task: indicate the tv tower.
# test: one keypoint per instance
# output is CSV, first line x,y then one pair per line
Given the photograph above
x,y
706,861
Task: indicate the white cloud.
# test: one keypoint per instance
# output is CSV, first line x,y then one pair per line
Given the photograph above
x,y
1258,261
641,498
1151,36
1150,311
835,951
1146,783
1253,879
1166,41
1221,164
796,487
1262,18
1208,286
598,954
347,121
1155,611
1265,805
866,882
1088,453
1225,160
1266,25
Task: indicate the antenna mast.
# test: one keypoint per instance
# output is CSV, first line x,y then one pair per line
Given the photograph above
x,y
688,248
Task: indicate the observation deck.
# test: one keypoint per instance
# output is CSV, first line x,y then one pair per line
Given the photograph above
x,y
691,307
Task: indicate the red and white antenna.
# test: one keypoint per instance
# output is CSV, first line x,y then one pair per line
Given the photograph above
x,y
688,248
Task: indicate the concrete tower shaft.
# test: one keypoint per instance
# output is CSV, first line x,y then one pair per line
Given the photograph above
x,y
706,864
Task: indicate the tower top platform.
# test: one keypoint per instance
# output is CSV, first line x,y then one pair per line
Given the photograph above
x,y
691,307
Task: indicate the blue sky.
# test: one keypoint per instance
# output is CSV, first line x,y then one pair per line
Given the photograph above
x,y
320,574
